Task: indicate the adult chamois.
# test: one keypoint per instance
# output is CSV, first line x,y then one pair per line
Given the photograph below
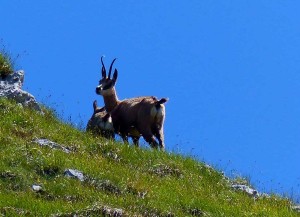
x,y
144,114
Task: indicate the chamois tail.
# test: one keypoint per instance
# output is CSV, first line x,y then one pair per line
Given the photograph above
x,y
161,101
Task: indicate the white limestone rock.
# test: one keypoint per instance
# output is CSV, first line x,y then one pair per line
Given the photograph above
x,y
74,174
250,191
11,88
53,145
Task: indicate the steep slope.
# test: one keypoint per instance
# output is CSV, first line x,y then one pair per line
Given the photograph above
x,y
80,174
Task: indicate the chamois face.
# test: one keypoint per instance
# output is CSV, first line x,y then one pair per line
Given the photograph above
x,y
106,123
101,122
106,83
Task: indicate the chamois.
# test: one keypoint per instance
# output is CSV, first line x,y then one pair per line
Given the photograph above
x,y
101,123
143,114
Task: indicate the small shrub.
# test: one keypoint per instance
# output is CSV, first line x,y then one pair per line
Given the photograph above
x,y
7,61
5,65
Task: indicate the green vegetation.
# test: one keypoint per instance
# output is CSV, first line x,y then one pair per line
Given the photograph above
x,y
140,182
6,63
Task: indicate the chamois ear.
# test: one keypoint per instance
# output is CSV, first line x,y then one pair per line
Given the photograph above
x,y
95,105
115,75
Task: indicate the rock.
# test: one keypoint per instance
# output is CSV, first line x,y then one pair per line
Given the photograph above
x,y
36,188
11,88
96,210
53,145
250,191
75,174
117,212
296,208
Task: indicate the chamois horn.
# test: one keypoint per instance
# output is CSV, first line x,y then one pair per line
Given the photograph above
x,y
103,68
110,68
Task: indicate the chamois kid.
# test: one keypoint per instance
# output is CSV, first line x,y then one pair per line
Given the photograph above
x,y
142,114
101,123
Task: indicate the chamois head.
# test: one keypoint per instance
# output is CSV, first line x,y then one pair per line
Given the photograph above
x,y
101,122
106,83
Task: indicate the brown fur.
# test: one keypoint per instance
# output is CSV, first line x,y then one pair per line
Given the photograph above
x,y
100,124
144,115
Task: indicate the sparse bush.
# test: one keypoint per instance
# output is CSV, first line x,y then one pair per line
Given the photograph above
x,y
5,65
6,62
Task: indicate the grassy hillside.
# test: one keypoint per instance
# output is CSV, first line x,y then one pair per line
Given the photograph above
x,y
120,180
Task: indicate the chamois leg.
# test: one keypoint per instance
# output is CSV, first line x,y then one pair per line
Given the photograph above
x,y
147,133
160,138
136,141
159,134
109,135
150,139
122,132
125,138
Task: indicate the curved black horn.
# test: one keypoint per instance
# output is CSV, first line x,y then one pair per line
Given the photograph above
x,y
109,73
103,68
102,62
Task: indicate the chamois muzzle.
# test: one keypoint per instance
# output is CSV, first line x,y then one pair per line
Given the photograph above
x,y
99,89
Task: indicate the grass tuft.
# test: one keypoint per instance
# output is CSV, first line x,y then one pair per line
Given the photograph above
x,y
6,62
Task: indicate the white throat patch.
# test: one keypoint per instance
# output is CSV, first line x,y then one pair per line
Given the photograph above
x,y
108,92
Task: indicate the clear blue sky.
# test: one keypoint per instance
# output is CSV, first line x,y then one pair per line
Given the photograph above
x,y
230,68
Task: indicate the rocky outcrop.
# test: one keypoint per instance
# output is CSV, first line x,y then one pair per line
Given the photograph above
x,y
296,208
11,88
52,145
250,191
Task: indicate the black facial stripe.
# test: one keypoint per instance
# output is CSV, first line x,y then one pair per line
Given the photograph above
x,y
108,86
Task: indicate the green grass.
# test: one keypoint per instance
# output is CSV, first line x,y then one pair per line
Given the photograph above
x,y
141,182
